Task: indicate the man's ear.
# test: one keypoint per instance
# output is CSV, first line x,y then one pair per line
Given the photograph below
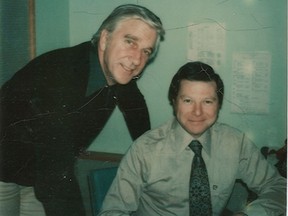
x,y
173,102
103,39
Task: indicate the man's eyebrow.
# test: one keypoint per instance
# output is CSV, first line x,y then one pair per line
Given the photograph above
x,y
134,38
129,36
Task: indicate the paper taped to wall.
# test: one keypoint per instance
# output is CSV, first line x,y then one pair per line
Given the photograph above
x,y
251,82
207,43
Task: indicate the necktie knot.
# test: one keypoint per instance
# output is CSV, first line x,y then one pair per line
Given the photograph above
x,y
196,147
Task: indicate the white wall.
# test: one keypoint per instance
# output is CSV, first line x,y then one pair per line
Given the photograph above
x,y
250,26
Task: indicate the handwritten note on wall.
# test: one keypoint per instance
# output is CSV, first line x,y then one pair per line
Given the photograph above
x,y
207,43
251,82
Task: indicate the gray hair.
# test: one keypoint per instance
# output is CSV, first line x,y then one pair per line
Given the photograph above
x,y
131,11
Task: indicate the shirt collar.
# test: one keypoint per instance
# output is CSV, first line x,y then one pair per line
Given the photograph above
x,y
96,75
183,138
205,140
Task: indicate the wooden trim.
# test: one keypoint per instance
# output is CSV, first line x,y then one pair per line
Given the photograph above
x,y
32,39
100,156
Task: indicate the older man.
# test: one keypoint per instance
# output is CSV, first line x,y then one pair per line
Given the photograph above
x,y
59,102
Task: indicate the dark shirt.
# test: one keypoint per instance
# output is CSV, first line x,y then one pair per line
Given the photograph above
x,y
96,75
48,116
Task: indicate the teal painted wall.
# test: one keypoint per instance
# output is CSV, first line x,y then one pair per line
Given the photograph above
x,y
52,25
14,37
249,26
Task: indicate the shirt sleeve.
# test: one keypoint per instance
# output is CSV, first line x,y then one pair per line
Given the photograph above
x,y
123,196
134,108
264,179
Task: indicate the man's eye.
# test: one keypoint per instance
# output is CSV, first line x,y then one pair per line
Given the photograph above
x,y
187,101
147,52
130,42
208,102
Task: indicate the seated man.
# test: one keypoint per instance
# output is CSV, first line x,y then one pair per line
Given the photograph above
x,y
155,176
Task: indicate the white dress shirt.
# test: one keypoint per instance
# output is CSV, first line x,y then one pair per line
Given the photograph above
x,y
153,177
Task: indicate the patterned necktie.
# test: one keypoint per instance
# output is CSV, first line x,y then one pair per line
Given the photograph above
x,y
199,191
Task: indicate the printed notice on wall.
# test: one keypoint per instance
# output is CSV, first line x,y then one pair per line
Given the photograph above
x,y
206,43
251,82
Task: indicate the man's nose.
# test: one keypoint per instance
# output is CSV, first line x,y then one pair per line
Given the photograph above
x,y
197,109
136,57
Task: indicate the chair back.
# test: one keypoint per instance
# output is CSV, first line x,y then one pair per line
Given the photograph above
x,y
99,182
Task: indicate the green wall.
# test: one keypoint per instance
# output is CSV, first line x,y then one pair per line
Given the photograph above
x,y
14,37
249,26
52,24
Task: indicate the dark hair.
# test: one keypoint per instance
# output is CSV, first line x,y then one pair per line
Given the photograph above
x,y
131,11
195,71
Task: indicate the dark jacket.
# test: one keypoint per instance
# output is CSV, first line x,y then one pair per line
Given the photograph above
x,y
46,117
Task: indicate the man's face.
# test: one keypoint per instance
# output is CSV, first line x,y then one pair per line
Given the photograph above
x,y
124,52
196,106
